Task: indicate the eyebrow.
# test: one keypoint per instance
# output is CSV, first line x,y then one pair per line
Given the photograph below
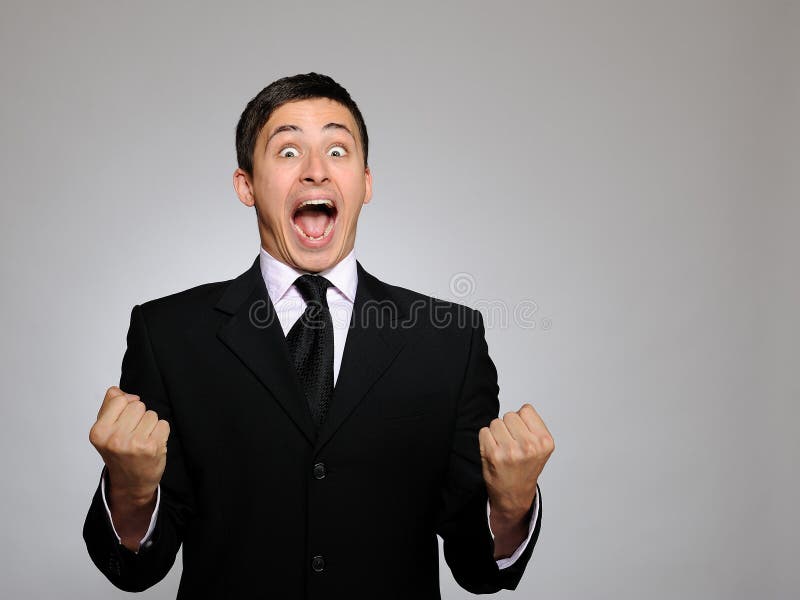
x,y
282,128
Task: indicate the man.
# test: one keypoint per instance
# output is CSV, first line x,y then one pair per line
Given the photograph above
x,y
305,430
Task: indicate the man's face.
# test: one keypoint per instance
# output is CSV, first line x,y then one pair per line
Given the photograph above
x,y
308,183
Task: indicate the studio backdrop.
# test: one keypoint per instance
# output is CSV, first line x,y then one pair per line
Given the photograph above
x,y
613,184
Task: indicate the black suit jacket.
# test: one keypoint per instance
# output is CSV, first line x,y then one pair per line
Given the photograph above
x,y
265,506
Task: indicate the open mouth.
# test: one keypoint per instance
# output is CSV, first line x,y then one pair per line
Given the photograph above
x,y
314,219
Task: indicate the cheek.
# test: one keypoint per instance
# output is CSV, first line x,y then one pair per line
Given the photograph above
x,y
272,197
353,186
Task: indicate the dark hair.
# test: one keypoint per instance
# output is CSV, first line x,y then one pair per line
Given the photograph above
x,y
290,89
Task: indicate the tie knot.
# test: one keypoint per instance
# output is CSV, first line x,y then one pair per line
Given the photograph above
x,y
313,288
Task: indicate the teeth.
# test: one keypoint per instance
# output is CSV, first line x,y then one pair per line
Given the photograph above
x,y
324,201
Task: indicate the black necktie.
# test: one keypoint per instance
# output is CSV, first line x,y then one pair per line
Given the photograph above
x,y
310,343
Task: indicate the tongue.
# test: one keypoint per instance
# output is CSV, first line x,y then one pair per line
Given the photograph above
x,y
312,222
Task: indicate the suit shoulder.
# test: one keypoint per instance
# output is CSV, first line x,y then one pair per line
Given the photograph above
x,y
431,312
407,296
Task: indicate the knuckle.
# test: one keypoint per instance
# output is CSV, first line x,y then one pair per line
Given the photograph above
x,y
99,429
151,448
96,436
116,444
113,391
117,402
139,446
135,408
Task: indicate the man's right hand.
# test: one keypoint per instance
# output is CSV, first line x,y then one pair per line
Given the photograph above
x,y
133,444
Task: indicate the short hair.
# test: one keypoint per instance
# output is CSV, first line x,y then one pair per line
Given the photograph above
x,y
279,92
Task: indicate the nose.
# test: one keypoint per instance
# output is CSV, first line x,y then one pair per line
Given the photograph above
x,y
314,169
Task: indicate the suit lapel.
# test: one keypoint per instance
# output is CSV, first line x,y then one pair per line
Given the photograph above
x,y
254,334
373,340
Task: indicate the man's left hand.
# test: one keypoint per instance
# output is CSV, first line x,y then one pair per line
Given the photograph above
x,y
514,450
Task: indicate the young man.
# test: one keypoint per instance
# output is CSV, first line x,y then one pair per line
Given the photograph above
x,y
306,430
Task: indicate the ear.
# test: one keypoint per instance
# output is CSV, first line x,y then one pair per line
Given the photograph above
x,y
244,187
368,185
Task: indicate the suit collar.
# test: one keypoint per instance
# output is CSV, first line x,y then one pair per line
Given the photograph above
x,y
239,290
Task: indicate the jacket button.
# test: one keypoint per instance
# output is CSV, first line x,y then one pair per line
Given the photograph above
x,y
319,471
318,564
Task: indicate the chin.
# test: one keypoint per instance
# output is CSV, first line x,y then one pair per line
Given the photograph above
x,y
306,260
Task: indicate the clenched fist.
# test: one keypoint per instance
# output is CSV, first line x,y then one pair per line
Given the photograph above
x,y
514,450
133,444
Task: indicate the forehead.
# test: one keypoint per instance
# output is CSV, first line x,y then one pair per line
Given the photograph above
x,y
309,115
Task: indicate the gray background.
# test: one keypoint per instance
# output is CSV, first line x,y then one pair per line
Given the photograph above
x,y
629,167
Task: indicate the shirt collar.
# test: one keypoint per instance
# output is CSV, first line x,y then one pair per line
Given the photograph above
x,y
279,277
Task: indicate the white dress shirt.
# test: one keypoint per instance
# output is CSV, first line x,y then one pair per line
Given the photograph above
x,y
289,305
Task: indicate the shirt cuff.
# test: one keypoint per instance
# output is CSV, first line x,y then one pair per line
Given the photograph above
x,y
152,518
507,562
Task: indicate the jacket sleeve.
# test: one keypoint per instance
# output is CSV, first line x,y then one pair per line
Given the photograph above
x,y
462,522
137,571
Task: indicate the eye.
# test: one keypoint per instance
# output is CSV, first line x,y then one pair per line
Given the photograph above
x,y
337,151
289,152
